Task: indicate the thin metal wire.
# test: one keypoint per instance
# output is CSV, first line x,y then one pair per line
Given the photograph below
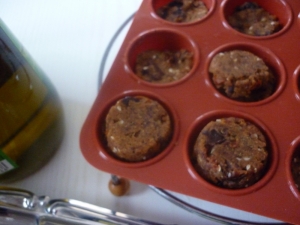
x,y
163,193
108,49
204,213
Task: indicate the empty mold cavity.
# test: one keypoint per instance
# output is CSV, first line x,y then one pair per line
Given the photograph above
x,y
233,87
196,172
182,12
278,21
134,155
161,57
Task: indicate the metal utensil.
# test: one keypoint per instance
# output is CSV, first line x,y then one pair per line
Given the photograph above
x,y
18,206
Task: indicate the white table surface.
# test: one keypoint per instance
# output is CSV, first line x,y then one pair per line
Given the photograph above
x,y
67,38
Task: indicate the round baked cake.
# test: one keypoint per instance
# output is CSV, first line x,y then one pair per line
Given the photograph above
x,y
249,18
163,66
231,153
137,128
242,76
183,11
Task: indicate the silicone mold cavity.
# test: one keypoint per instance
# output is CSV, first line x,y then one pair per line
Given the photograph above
x,y
294,149
296,82
104,151
278,8
156,4
160,40
200,123
270,59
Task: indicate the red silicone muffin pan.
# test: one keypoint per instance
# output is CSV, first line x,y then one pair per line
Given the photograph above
x,y
193,101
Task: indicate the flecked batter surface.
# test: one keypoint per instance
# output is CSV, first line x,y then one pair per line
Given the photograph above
x,y
231,153
242,76
183,11
163,66
137,128
252,19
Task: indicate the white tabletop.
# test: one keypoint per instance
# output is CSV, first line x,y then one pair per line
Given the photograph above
x,y
67,38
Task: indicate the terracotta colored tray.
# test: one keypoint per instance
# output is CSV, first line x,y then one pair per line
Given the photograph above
x,y
193,101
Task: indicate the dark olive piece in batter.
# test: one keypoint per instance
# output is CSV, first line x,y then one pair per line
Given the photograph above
x,y
231,153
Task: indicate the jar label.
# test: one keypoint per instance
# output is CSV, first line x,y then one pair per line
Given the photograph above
x,y
6,164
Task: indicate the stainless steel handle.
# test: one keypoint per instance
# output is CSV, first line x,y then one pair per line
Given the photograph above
x,y
22,206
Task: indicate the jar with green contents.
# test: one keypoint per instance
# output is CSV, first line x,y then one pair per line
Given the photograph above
x,y
31,116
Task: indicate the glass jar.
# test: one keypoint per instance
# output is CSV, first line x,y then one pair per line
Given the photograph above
x,y
31,116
